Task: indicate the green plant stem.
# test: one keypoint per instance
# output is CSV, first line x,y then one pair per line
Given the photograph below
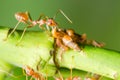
x,y
34,51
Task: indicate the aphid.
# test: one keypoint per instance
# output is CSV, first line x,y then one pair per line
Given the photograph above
x,y
30,72
82,39
94,43
76,37
58,35
68,41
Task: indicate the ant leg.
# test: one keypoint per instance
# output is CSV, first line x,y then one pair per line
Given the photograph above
x,y
94,43
63,15
14,29
61,77
10,74
48,28
71,69
22,35
24,73
41,22
31,78
63,48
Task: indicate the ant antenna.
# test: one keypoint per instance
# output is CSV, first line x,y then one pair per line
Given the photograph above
x,y
63,15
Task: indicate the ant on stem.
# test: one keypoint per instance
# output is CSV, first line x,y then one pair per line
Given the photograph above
x,y
82,39
24,17
30,72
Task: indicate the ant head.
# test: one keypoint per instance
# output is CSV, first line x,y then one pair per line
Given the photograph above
x,y
21,16
28,70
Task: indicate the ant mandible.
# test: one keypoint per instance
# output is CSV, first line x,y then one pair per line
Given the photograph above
x,y
24,17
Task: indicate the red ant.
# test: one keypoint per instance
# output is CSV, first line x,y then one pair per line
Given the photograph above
x,y
25,17
30,72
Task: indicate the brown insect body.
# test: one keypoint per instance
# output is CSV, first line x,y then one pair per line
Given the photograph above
x,y
82,39
68,41
58,34
64,40
30,72
76,37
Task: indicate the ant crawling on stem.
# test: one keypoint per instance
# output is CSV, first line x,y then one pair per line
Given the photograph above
x,y
24,17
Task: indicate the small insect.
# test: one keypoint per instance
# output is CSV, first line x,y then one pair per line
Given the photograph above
x,y
30,72
58,35
94,43
76,37
68,41
24,17
82,39
63,40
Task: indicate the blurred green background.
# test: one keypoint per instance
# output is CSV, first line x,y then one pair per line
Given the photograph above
x,y
99,19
